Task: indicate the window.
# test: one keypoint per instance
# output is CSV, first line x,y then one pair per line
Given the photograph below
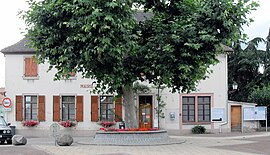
x,y
188,113
30,67
31,108
196,108
106,108
68,108
204,105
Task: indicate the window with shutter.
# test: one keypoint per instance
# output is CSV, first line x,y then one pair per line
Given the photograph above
x,y
71,76
30,67
30,107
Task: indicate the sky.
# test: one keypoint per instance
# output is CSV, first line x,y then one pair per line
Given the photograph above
x,y
11,26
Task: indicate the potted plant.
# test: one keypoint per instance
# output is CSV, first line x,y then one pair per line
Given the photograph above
x,y
68,123
106,124
30,123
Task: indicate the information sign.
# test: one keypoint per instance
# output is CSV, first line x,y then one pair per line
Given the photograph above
x,y
218,115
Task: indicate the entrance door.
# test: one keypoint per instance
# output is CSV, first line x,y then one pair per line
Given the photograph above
x,y
236,123
145,111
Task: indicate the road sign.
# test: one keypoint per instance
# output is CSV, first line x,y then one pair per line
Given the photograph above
x,y
6,102
6,109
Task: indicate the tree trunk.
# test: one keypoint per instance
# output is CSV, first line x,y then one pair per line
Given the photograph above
x,y
130,107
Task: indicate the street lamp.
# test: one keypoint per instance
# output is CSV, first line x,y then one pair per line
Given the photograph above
x,y
234,85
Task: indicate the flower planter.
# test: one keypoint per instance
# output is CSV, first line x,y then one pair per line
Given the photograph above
x,y
134,135
67,124
30,123
134,138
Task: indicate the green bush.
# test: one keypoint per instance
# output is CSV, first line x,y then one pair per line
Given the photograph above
x,y
198,129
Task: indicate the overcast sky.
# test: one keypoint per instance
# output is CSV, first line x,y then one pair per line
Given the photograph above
x,y
11,26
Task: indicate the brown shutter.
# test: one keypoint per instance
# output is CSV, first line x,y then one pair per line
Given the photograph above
x,y
41,108
30,67
19,108
94,108
34,71
56,108
72,74
27,67
118,109
79,108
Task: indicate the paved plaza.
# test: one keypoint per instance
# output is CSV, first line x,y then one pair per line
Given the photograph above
x,y
207,144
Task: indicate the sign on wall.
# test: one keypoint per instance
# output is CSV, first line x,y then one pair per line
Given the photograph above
x,y
218,115
255,113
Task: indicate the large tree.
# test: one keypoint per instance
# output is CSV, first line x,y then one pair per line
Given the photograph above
x,y
249,68
102,40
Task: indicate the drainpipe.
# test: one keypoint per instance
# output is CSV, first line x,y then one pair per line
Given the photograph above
x,y
158,104
227,103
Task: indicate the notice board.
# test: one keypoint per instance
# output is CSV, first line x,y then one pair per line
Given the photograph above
x,y
218,115
255,113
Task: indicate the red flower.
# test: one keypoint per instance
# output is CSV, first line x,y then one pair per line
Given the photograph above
x,y
130,129
30,123
106,124
67,123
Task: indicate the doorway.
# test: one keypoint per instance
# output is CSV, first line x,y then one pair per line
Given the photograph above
x,y
236,119
145,111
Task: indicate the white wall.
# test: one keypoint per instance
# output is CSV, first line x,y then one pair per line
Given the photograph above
x,y
17,85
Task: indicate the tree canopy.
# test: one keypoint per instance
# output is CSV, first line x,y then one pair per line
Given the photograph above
x,y
249,68
102,39
174,44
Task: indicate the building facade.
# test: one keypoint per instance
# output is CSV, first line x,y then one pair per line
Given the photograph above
x,y
36,96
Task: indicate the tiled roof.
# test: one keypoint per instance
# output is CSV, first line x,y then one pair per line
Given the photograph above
x,y
227,48
19,47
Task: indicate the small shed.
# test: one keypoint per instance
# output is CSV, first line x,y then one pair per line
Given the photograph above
x,y
237,121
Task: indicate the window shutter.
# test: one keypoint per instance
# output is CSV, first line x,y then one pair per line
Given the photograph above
x,y
118,110
30,67
72,74
56,108
79,108
94,108
27,67
19,108
41,108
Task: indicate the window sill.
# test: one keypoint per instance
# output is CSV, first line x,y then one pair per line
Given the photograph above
x,y
70,78
30,77
196,123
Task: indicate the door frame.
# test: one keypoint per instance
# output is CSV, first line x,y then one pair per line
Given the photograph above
x,y
152,108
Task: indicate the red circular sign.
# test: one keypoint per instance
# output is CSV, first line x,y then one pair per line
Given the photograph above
x,y
6,102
